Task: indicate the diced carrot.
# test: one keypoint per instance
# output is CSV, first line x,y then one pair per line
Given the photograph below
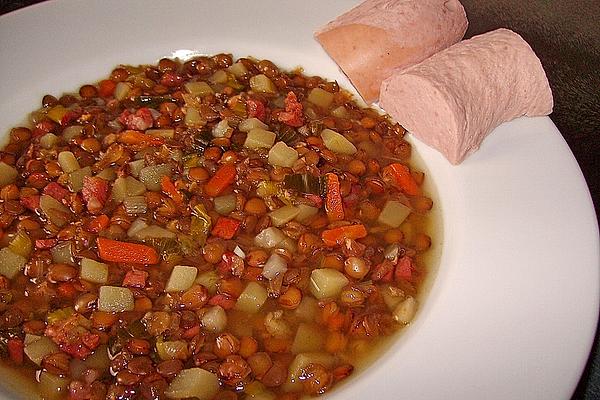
x,y
97,224
225,227
336,236
221,180
333,201
106,88
399,175
15,350
133,138
135,278
126,252
56,190
170,190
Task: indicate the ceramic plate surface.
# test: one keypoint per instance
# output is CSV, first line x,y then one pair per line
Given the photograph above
x,y
513,309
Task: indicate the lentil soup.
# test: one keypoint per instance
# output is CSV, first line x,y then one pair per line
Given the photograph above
x,y
211,229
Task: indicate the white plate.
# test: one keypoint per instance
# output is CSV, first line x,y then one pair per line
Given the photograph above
x,y
512,312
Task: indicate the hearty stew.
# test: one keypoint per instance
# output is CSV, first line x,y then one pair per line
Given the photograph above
x,y
211,229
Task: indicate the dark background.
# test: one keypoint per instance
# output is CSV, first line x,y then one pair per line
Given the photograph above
x,y
565,34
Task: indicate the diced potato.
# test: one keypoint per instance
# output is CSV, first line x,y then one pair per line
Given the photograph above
x,y
305,212
393,214
283,215
282,155
182,278
152,175
68,162
340,112
10,263
269,237
76,178
238,69
153,232
405,311
108,174
193,382
47,141
172,350
135,205
262,84
222,129
115,299
37,347
274,266
251,123
392,296
252,298
52,386
320,97
21,244
307,309
210,280
62,253
122,90
215,319
193,118
303,359
55,211
219,76
93,271
288,244
127,187
135,167
225,204
258,137
327,283
199,88
337,142
308,339
71,131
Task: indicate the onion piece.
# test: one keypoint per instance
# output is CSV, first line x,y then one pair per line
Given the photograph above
x,y
225,204
62,253
198,88
135,227
38,347
405,311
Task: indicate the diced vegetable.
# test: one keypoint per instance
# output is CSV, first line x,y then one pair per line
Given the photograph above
x,y
308,339
274,266
306,212
334,205
172,350
225,204
115,299
57,113
392,296
10,263
126,187
126,252
21,244
259,137
68,162
337,142
182,278
239,252
135,205
193,118
108,174
405,311
226,228
163,133
38,347
76,178
262,84
219,76
47,142
251,123
137,138
135,167
327,283
307,309
136,226
8,174
93,271
399,175
221,180
252,298
59,315
152,175
393,214
222,129
282,155
283,215
210,280
53,386
122,90
153,232
267,188
336,236
340,112
215,319
320,97
62,253
305,183
199,88
269,238
55,211
71,132
302,360
238,69
201,223
193,382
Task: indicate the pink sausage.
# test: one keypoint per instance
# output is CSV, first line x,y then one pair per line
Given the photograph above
x,y
454,99
377,36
